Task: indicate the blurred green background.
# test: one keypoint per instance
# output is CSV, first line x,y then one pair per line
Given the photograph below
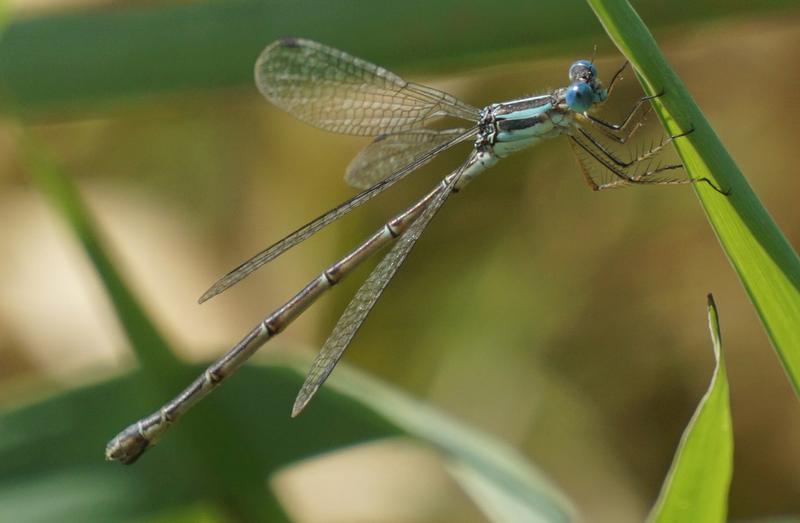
x,y
568,323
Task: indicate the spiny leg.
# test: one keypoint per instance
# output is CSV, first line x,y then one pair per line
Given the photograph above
x,y
635,116
617,76
644,155
622,137
585,169
643,178
584,161
625,121
588,164
622,174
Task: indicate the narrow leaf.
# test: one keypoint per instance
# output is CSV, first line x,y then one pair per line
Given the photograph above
x,y
151,348
696,488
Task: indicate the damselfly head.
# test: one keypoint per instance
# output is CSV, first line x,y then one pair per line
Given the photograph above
x,y
584,89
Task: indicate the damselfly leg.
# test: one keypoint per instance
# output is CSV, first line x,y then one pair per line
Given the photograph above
x,y
590,159
635,119
629,172
617,77
645,153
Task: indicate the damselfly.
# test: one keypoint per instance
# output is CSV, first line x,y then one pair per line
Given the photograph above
x,y
332,90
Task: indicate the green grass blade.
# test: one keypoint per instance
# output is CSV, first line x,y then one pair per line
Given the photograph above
x,y
696,488
766,264
150,347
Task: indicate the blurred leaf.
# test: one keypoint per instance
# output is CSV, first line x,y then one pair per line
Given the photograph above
x,y
105,53
52,452
150,347
496,476
696,488
767,265
59,470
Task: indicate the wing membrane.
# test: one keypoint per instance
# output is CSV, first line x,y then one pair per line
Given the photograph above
x,y
332,90
364,300
273,251
390,152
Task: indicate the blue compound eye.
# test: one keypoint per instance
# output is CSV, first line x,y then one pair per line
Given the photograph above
x,y
582,70
579,97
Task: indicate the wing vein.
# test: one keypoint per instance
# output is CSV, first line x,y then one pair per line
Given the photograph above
x,y
362,303
270,253
332,90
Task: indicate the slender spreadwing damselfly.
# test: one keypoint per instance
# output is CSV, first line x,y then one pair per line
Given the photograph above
x,y
332,90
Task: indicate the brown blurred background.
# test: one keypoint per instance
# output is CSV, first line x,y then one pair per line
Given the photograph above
x,y
568,323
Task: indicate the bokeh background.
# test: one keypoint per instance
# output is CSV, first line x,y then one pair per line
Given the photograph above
x,y
568,323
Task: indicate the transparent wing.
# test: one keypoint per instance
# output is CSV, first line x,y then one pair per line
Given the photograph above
x,y
332,90
390,152
366,297
314,226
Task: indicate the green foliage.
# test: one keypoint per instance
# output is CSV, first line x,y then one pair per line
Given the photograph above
x,y
222,456
103,54
696,488
766,264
